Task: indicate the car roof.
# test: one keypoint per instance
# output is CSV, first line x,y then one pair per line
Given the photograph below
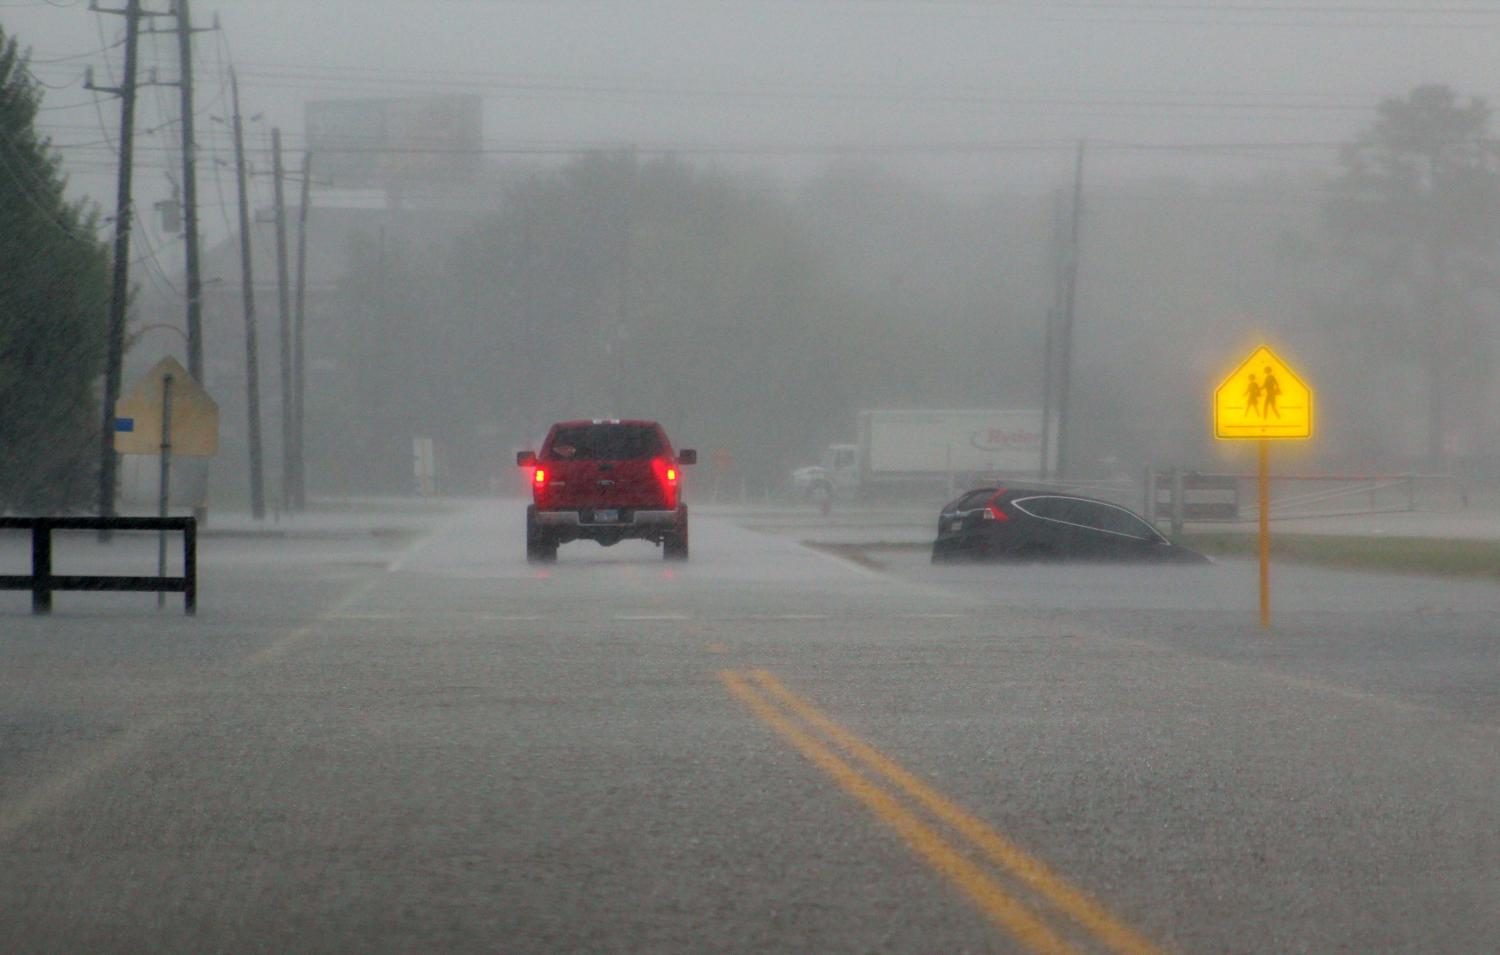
x,y
1011,492
584,422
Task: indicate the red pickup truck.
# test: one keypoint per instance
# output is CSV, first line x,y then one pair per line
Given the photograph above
x,y
606,481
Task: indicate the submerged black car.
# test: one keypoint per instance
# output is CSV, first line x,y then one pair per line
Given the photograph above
x,y
1020,524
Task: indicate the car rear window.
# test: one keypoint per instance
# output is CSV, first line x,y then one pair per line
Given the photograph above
x,y
975,499
604,442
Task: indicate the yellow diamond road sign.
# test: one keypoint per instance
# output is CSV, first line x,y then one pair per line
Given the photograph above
x,y
1264,398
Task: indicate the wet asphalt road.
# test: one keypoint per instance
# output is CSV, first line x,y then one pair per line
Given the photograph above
x,y
397,744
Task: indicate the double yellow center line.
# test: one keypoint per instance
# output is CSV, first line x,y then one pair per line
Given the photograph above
x,y
880,784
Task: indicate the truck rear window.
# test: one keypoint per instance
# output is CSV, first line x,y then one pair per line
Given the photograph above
x,y
604,442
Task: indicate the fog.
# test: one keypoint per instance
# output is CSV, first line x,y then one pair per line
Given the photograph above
x,y
939,294
752,219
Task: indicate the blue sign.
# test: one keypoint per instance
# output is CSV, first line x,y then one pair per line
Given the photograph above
x,y
124,424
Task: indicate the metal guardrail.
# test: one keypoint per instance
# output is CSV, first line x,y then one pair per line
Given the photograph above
x,y
1184,495
42,582
1342,495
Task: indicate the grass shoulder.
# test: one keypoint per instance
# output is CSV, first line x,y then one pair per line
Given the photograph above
x,y
1411,555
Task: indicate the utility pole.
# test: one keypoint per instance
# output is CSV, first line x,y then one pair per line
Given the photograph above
x,y
1047,349
1070,300
1049,344
299,359
620,338
1437,305
190,192
252,363
191,241
120,290
284,323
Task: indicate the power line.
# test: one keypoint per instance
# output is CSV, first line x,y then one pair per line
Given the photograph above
x,y
58,109
899,96
217,163
1110,6
282,75
438,147
49,61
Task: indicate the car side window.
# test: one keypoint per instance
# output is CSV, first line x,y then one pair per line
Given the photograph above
x,y
1139,528
1094,516
1048,508
1116,520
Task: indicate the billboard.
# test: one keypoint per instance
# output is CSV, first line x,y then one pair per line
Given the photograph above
x,y
375,143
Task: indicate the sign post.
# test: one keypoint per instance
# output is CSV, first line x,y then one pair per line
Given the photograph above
x,y
1264,510
167,413
166,477
1263,400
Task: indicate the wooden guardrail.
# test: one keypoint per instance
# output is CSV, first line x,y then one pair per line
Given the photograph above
x,y
42,582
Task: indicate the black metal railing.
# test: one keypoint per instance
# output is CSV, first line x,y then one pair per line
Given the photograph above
x,y
42,582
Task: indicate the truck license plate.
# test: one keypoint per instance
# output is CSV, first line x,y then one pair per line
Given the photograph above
x,y
606,516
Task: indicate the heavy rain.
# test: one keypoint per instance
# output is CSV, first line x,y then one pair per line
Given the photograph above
x,y
751,475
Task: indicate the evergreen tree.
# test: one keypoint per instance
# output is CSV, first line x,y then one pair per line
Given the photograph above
x,y
54,291
1415,212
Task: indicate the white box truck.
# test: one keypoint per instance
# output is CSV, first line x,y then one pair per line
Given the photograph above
x,y
922,451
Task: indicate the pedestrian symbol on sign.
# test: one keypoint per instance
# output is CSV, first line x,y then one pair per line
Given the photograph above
x,y
1263,398
1252,397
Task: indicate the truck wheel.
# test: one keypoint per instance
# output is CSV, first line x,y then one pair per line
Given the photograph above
x,y
539,547
674,546
541,552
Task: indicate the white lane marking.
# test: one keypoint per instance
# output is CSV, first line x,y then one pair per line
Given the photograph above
x,y
425,543
624,617
428,615
935,615
417,550
61,785
22,812
279,647
847,564
1309,684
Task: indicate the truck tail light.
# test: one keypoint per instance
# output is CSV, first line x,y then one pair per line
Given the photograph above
x,y
539,478
666,476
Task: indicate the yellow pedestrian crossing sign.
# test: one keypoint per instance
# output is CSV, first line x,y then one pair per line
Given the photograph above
x,y
1263,398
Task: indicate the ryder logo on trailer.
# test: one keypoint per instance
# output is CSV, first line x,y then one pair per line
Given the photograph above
x,y
1006,439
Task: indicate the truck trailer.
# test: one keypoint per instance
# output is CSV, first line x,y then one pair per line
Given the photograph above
x,y
926,451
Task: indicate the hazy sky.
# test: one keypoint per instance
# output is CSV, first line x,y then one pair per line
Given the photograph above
x,y
977,95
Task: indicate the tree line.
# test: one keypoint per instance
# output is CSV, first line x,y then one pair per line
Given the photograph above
x,y
755,319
